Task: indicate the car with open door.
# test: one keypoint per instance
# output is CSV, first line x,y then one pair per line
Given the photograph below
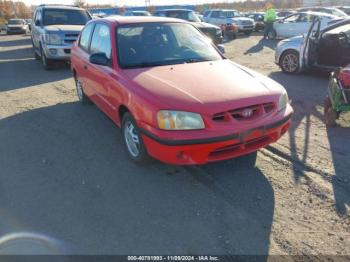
x,y
298,24
174,95
322,49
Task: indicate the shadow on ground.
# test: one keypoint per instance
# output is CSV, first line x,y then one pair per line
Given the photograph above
x,y
307,92
64,174
19,69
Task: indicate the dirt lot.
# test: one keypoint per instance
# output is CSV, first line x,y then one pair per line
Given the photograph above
x,y
65,177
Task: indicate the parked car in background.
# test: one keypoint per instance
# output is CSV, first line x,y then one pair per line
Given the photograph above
x,y
298,24
212,31
284,13
345,9
258,17
29,23
221,17
137,13
328,10
55,29
175,97
16,26
323,49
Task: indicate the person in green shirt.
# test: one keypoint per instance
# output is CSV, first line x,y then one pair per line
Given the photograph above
x,y
269,19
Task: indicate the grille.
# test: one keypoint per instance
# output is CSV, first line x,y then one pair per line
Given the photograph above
x,y
70,38
240,114
247,23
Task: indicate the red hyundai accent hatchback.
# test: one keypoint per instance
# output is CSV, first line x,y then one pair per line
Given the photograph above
x,y
174,95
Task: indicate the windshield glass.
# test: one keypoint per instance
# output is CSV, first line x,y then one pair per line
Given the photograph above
x,y
157,44
231,14
184,15
339,12
15,22
65,17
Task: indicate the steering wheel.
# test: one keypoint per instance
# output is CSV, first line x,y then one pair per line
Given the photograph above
x,y
343,39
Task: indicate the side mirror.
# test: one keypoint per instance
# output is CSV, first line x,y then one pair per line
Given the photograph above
x,y
99,59
221,48
37,22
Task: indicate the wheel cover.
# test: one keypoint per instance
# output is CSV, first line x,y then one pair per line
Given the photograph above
x,y
79,90
131,138
290,63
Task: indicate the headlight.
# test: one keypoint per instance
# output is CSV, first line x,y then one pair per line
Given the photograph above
x,y
53,39
179,120
283,101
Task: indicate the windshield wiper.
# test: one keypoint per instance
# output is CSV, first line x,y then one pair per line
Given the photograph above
x,y
195,60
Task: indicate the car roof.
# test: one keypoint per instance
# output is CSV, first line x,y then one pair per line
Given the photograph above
x,y
138,19
317,14
61,7
174,9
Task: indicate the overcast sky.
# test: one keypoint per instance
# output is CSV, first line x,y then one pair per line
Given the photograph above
x,y
124,2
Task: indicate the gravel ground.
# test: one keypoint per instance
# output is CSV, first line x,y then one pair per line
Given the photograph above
x,y
65,179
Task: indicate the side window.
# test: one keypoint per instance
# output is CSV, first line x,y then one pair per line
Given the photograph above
x,y
215,14
85,37
101,41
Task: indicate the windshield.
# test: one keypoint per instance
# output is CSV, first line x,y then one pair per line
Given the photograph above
x,y
339,12
184,15
65,17
230,14
157,44
15,22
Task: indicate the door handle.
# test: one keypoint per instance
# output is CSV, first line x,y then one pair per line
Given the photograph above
x,y
85,67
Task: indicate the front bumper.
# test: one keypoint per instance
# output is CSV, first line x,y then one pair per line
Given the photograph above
x,y
57,52
16,30
245,28
202,151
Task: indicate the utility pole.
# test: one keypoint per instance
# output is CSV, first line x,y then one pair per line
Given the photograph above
x,y
147,2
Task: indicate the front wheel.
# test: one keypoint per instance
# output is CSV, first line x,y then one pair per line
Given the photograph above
x,y
47,63
132,140
289,62
84,99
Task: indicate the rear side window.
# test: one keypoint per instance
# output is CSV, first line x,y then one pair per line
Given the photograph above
x,y
215,14
101,41
85,37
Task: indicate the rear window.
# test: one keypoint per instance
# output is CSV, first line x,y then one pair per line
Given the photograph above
x,y
65,17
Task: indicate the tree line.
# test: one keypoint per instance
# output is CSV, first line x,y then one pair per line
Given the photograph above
x,y
11,9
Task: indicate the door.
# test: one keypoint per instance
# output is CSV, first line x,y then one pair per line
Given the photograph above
x,y
286,27
81,59
100,76
309,46
36,29
302,24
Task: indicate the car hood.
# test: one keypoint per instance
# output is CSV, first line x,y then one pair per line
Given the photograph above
x,y
204,25
295,41
208,87
64,28
241,19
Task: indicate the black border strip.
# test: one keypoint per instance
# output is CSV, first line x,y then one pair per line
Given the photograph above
x,y
214,139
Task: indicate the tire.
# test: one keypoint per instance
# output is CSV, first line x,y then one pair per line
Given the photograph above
x,y
132,140
289,62
231,36
330,114
248,33
36,56
47,63
84,99
272,35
